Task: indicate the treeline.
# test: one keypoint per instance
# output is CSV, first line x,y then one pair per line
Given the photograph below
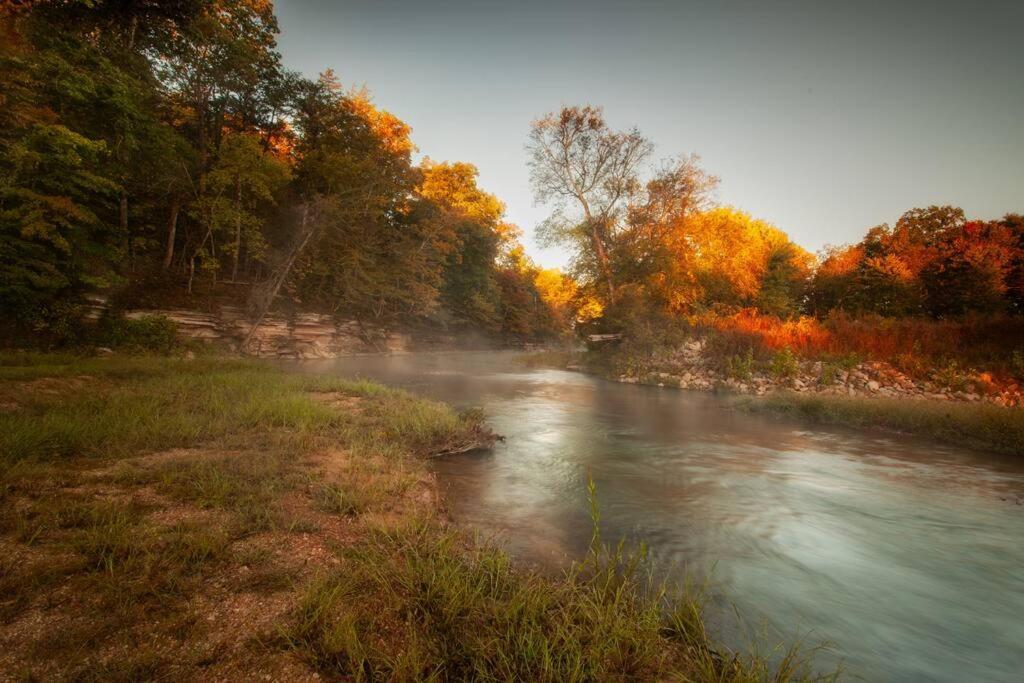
x,y
161,148
651,251
933,262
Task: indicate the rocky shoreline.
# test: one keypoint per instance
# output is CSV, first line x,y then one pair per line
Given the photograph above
x,y
689,367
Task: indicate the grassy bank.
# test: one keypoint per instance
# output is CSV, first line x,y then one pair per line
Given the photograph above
x,y
214,518
978,425
973,425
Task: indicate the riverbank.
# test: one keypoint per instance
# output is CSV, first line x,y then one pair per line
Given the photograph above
x,y
223,519
953,407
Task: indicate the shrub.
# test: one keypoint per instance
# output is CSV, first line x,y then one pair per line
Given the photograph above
x,y
740,367
784,364
829,374
949,375
148,333
912,344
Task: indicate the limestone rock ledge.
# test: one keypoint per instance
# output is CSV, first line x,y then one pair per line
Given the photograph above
x,y
302,335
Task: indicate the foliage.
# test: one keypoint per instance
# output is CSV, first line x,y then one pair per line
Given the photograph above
x,y
164,147
740,367
784,364
590,173
829,373
932,262
913,344
147,333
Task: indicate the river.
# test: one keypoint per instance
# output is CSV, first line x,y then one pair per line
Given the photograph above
x,y
906,557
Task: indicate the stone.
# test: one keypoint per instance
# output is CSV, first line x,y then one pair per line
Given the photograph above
x,y
104,351
873,385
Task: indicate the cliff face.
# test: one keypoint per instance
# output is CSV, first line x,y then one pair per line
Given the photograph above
x,y
302,335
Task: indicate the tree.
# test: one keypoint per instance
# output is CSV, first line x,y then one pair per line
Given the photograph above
x,y
244,178
218,69
577,161
834,283
471,222
53,239
1014,222
970,270
370,254
559,293
784,282
727,258
656,233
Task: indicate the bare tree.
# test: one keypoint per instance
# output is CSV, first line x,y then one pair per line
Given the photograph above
x,y
589,173
678,188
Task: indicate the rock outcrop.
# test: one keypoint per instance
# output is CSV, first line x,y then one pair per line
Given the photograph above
x,y
300,335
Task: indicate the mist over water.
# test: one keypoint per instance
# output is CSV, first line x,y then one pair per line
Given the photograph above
x,y
905,556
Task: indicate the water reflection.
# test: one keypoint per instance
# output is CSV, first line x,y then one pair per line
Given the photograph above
x,y
903,554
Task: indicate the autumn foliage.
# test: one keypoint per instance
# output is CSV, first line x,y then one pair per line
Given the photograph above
x,y
915,345
161,154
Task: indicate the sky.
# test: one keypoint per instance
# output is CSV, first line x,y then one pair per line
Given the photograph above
x,y
825,118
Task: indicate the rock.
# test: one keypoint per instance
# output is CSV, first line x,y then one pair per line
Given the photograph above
x,y
190,355
104,351
873,385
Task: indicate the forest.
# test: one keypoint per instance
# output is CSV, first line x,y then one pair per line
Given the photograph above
x,y
161,153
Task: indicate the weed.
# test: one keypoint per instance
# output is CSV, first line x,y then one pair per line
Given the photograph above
x,y
784,364
147,333
829,374
951,376
740,367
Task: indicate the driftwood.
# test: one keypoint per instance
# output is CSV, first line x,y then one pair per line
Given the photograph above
x,y
484,442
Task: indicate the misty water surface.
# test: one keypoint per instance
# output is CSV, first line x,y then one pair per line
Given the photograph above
x,y
906,556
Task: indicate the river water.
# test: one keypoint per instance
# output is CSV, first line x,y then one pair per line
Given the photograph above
x,y
906,557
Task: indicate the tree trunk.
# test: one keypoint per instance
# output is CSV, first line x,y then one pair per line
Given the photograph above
x,y
172,227
602,260
122,221
195,255
265,299
238,229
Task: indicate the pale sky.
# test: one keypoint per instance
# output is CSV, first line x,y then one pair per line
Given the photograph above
x,y
825,118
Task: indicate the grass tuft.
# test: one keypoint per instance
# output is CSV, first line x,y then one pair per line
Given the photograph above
x,y
974,425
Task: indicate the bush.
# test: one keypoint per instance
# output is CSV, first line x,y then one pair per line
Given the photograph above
x,y
148,333
912,344
829,374
784,364
740,367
